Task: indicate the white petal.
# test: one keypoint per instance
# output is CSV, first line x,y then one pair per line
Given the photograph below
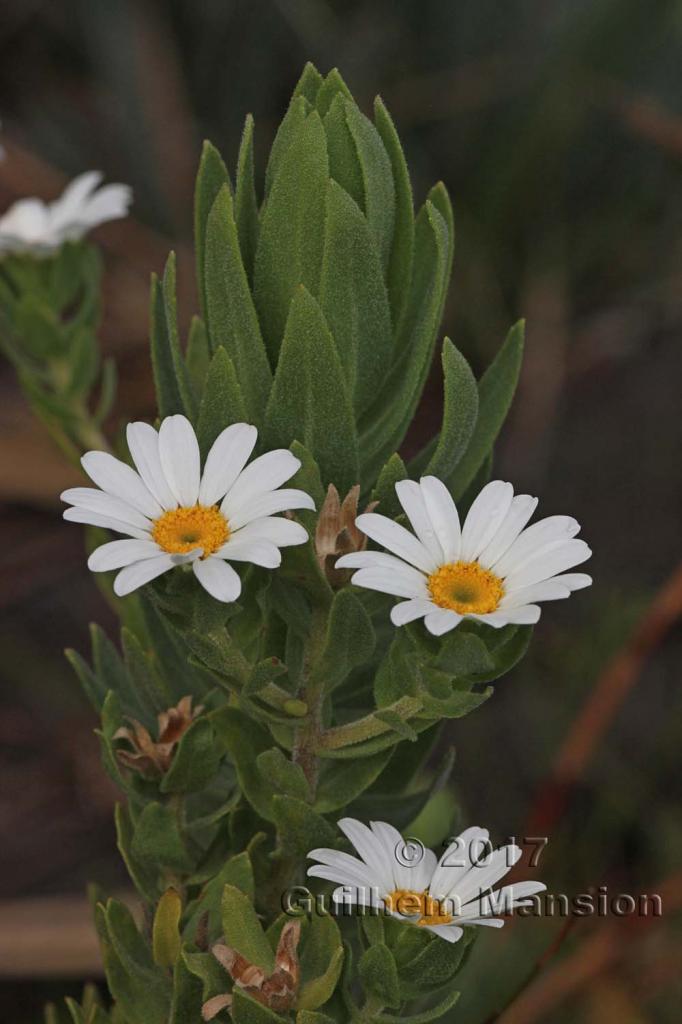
x,y
84,515
180,458
485,517
398,583
136,575
370,849
574,580
443,515
412,865
546,590
532,541
412,500
441,620
552,560
106,505
524,615
481,876
109,203
119,553
408,611
282,532
397,539
119,480
457,860
218,578
229,454
65,210
375,560
520,511
266,473
268,504
143,445
259,552
449,932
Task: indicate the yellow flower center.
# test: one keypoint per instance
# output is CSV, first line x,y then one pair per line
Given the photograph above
x,y
181,530
410,904
466,588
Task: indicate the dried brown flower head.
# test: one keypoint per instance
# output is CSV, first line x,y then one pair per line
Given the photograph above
x,y
336,532
277,991
153,757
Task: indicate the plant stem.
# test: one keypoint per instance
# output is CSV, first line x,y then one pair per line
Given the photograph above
x,y
312,694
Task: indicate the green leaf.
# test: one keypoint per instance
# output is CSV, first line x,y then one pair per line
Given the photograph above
x,y
377,179
283,774
300,828
435,1013
353,298
309,401
150,688
211,177
379,975
400,262
184,383
384,493
144,877
142,988
349,641
298,111
166,929
495,392
344,781
332,86
245,740
344,165
157,840
222,402
460,412
231,315
198,355
245,201
441,200
238,873
463,654
396,723
168,397
246,1010
309,83
383,431
196,759
321,961
292,230
187,994
95,688
434,966
311,1017
243,931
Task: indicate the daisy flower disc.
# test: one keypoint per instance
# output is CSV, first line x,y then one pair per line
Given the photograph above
x,y
173,513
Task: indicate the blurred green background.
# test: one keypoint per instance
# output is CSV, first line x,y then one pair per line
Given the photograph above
x,y
557,128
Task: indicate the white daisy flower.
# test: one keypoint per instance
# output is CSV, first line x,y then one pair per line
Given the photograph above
x,y
175,514
490,569
32,226
409,882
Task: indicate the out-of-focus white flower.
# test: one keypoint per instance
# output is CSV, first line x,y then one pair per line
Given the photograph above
x,y
490,568
33,226
175,514
409,882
